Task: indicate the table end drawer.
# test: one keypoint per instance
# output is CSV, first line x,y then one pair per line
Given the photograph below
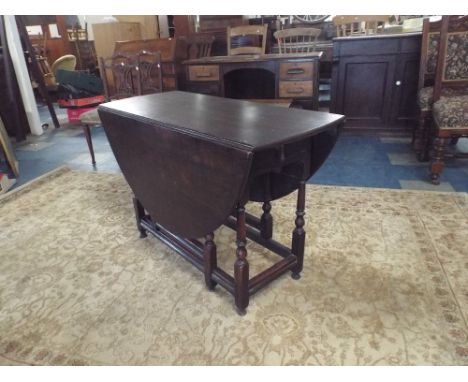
x,y
203,72
296,89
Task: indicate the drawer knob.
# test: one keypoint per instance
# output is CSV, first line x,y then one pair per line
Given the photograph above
x,y
398,83
295,91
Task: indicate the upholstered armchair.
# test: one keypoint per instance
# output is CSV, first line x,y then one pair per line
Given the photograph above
x,y
425,99
450,113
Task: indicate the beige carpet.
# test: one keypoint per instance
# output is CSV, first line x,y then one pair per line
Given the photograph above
x,y
385,282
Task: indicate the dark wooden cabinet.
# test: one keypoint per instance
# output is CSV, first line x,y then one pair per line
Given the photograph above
x,y
374,80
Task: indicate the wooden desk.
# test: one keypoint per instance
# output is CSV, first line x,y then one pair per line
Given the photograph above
x,y
193,162
293,76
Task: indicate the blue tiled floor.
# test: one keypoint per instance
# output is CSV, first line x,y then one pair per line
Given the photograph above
x,y
355,161
387,163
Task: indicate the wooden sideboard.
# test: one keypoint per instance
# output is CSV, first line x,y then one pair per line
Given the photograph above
x,y
268,76
374,80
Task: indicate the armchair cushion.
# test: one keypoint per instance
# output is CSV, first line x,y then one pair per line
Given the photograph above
x,y
426,96
451,112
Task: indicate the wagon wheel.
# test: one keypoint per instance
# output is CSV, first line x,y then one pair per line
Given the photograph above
x,y
310,19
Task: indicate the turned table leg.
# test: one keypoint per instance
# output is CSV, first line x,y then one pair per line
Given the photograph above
x,y
298,239
241,266
139,214
266,221
209,259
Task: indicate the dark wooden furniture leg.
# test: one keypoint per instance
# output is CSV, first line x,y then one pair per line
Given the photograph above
x,y
437,162
298,239
209,258
139,214
266,221
87,133
241,266
420,137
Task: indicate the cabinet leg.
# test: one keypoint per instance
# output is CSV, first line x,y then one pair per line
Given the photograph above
x,y
266,221
139,214
241,266
209,258
298,239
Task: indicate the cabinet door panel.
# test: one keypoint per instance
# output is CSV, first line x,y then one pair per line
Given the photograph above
x,y
406,88
364,90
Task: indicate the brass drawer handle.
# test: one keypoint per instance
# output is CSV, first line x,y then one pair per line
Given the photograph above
x,y
202,75
295,71
295,91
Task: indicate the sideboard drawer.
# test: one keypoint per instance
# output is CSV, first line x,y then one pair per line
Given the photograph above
x,y
296,70
203,72
296,89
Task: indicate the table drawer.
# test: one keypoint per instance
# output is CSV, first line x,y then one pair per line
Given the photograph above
x,y
203,73
296,89
296,70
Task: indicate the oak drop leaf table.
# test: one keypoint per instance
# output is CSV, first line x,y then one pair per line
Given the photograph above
x,y
193,162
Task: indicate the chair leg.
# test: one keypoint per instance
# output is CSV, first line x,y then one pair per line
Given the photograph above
x,y
87,133
437,162
420,138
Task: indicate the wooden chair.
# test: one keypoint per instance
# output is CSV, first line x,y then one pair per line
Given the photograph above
x,y
359,25
149,73
119,82
198,45
246,39
297,40
425,97
118,76
450,113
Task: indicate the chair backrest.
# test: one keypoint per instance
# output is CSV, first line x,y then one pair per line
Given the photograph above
x,y
148,72
246,39
297,40
429,52
359,25
452,68
198,45
118,77
67,62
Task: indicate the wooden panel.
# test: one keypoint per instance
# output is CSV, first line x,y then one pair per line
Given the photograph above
x,y
148,24
203,88
169,83
296,70
362,46
407,88
366,90
106,34
296,89
167,47
203,72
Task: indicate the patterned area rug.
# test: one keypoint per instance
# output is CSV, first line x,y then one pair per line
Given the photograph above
x,y
385,282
